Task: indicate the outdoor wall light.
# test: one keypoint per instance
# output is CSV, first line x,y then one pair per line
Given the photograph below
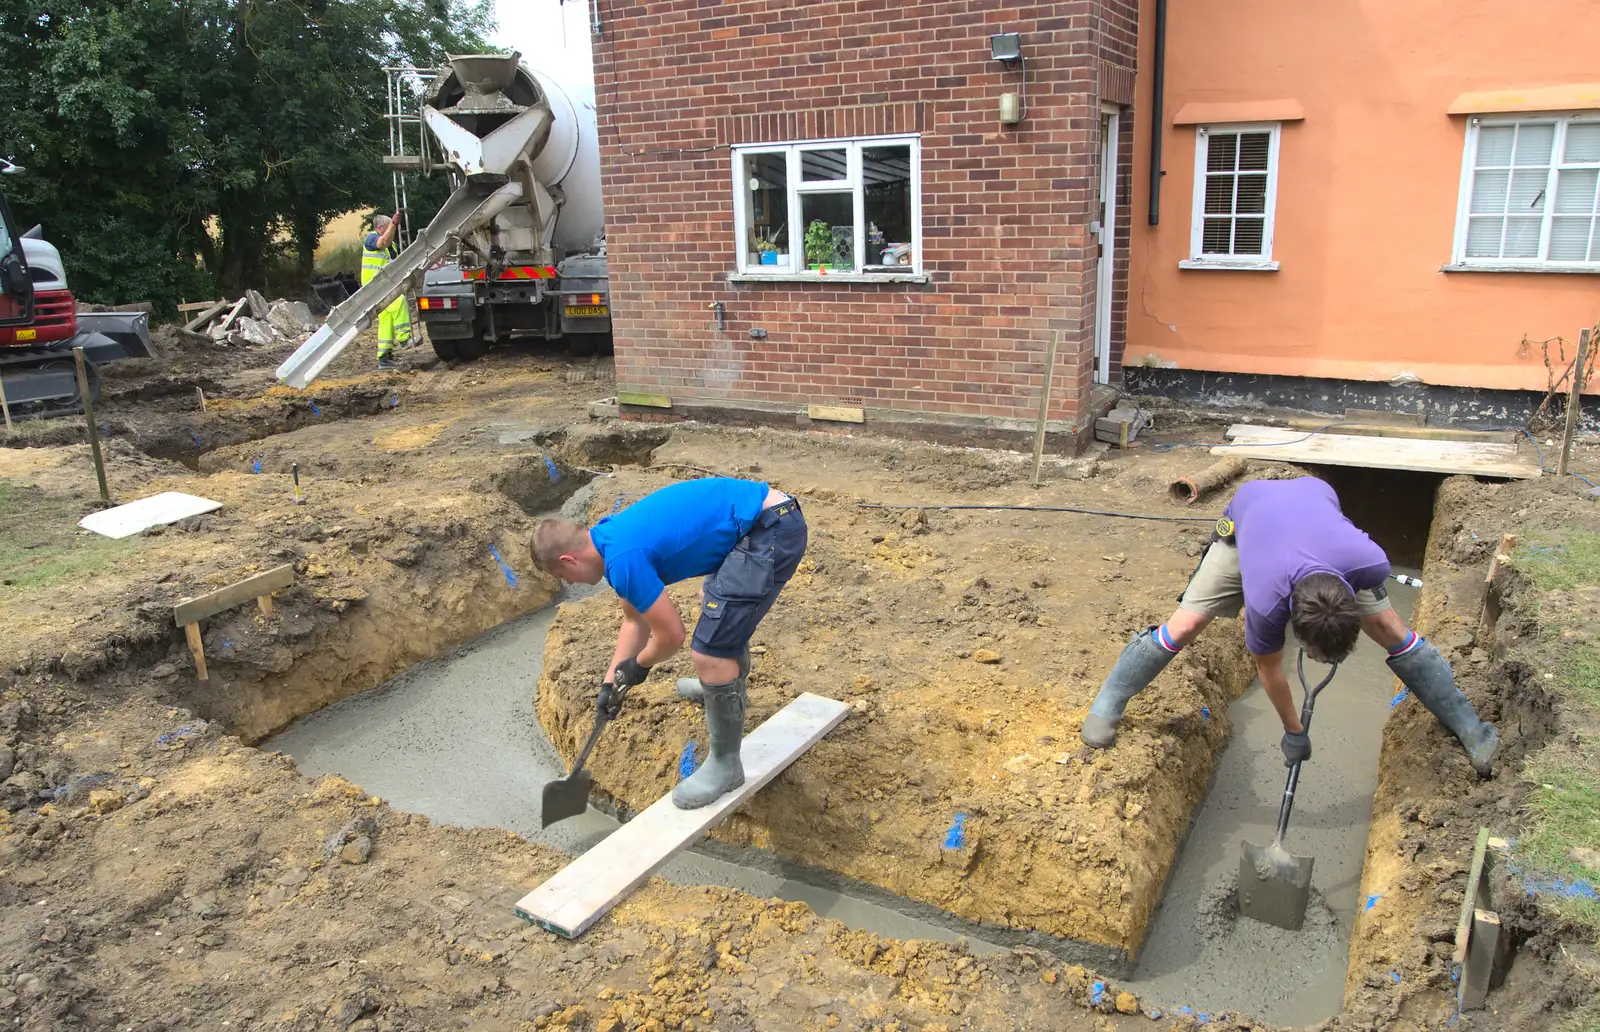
x,y
1006,47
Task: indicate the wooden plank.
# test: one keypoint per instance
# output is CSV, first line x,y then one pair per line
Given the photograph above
x,y
212,603
200,306
1472,459
586,889
1362,415
197,649
1416,433
232,315
1470,900
837,413
643,400
208,313
264,602
1478,973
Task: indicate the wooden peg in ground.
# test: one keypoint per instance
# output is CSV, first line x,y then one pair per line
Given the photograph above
x,y
189,613
1189,490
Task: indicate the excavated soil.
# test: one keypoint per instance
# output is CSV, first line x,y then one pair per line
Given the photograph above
x,y
969,646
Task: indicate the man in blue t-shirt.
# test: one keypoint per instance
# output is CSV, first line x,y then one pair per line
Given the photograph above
x,y
745,538
1285,552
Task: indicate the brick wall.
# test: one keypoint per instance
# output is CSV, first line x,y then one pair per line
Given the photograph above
x,y
1005,210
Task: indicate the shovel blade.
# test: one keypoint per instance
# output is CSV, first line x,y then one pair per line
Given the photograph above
x,y
1274,885
565,798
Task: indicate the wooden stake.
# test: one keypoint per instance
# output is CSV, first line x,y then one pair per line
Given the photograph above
x,y
197,649
201,391
94,431
6,406
1574,402
1044,405
1491,591
265,604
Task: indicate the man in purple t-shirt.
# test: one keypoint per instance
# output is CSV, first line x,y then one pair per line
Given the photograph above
x,y
1291,557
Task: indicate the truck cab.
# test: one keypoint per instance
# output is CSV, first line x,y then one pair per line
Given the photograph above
x,y
16,284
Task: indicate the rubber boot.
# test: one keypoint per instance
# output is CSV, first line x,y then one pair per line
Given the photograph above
x,y
690,687
1138,665
1428,677
722,771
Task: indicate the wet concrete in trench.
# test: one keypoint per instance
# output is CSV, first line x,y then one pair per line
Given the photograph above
x,y
1198,952
456,739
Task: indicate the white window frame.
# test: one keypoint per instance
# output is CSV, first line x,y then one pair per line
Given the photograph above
x,y
796,269
1197,259
1459,261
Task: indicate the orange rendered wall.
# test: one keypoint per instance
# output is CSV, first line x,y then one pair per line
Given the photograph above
x,y
1367,191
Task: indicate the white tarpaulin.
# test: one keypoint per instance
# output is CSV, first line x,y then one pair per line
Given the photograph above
x,y
166,507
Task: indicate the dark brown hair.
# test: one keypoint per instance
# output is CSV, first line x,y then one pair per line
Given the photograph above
x,y
1325,617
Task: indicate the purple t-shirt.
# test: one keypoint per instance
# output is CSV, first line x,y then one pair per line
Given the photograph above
x,y
1286,530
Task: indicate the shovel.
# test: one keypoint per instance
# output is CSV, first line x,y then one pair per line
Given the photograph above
x,y
569,796
1274,884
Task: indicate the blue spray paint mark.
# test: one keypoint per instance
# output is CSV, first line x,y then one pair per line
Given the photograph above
x,y
686,764
1371,901
549,464
1186,1009
314,410
956,837
1566,888
511,576
1398,699
1202,1017
1394,976
227,644
394,401
1154,1013
1097,992
257,467
181,733
1205,712
617,507
196,438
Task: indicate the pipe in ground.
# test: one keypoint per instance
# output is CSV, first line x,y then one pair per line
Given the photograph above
x,y
1189,490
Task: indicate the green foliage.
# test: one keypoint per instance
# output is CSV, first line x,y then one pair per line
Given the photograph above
x,y
1561,837
187,148
819,243
344,258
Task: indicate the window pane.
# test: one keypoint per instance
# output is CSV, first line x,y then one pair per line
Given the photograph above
x,y
1534,142
1219,195
1221,151
1252,195
1253,150
1583,141
1575,189
1494,144
1569,238
766,178
1483,237
820,166
1249,235
1489,191
829,219
1527,194
886,201
1594,247
1522,238
1217,237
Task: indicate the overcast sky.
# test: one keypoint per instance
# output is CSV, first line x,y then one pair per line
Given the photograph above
x,y
553,37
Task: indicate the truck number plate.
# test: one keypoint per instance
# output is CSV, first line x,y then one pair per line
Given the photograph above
x,y
27,334
587,310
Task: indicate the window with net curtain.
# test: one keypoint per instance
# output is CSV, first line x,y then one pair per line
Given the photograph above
x,y
1236,170
1529,194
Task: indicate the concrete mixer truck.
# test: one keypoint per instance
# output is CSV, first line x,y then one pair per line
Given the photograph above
x,y
518,249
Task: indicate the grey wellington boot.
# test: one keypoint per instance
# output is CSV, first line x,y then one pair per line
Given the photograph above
x,y
1428,676
1138,665
690,687
722,771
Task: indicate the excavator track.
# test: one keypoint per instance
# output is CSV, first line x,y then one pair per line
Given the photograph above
x,y
44,382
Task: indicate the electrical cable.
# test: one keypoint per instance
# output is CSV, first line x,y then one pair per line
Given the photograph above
x,y
1050,508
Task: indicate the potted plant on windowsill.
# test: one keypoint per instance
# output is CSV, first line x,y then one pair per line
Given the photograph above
x,y
819,246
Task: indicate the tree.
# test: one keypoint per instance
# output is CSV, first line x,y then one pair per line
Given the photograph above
x,y
174,149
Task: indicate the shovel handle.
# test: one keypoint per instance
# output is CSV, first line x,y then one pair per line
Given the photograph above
x,y
1293,782
600,721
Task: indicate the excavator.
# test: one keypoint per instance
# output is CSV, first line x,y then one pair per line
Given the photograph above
x,y
40,325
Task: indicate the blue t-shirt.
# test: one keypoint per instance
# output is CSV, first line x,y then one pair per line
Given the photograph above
x,y
1286,530
681,531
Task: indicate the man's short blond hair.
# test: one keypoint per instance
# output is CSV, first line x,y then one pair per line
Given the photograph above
x,y
553,539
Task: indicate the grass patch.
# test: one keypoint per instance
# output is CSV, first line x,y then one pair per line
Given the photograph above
x,y
1587,1022
1561,561
344,258
1560,833
43,547
1578,677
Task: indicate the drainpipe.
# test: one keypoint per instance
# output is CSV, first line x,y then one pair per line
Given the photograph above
x,y
1158,76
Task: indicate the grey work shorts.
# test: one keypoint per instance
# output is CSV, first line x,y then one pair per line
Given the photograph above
x,y
1217,589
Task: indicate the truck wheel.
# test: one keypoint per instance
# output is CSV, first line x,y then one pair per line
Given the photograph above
x,y
446,349
581,345
606,345
471,349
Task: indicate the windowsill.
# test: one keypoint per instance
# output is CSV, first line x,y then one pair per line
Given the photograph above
x,y
1589,270
1234,265
832,277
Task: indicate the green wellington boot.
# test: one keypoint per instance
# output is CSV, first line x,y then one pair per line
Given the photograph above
x,y
690,687
722,771
1428,676
1141,660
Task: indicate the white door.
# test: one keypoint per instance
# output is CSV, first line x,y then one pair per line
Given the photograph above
x,y
1105,229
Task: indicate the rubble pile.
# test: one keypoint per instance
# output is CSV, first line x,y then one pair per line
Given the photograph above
x,y
250,321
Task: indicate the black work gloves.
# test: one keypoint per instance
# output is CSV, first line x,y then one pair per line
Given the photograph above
x,y
630,673
1296,747
609,702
